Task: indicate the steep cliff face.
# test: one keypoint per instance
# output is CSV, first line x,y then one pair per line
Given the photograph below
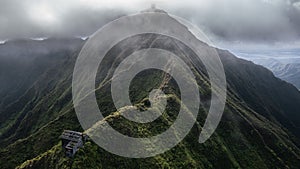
x,y
259,127
22,63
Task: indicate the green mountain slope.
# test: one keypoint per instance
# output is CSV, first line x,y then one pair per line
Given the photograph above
x,y
259,128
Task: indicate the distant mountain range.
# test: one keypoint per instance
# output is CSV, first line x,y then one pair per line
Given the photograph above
x,y
289,72
259,128
284,64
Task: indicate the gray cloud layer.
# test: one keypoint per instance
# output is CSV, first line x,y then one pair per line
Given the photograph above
x,y
247,21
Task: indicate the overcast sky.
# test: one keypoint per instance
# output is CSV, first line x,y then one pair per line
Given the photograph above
x,y
226,22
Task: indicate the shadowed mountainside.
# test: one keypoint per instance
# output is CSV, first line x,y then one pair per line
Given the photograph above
x,y
259,127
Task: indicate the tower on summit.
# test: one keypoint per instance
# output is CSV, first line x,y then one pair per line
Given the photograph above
x,y
154,9
153,6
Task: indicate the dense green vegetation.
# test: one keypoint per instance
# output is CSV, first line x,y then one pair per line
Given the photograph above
x,y
259,128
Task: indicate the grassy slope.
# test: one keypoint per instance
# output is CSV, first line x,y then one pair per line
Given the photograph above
x,y
244,139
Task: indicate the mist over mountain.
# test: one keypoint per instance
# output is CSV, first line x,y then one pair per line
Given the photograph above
x,y
259,128
22,62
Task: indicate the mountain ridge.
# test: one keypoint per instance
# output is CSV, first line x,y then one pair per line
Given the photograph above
x,y
250,135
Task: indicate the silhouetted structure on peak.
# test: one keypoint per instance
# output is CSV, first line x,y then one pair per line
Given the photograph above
x,y
153,9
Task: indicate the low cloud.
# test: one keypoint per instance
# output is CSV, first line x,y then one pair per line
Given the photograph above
x,y
226,21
